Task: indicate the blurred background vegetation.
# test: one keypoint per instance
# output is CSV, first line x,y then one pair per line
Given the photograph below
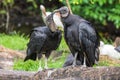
x,y
19,17
23,15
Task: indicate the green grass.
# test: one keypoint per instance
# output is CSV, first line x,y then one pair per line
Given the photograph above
x,y
63,46
25,66
34,65
19,42
15,41
107,63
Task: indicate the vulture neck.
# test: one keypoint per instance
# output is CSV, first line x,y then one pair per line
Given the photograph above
x,y
53,34
68,20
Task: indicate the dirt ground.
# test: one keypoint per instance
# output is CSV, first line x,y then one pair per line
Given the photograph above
x,y
7,57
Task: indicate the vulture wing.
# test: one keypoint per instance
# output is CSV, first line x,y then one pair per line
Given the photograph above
x,y
88,40
59,40
35,44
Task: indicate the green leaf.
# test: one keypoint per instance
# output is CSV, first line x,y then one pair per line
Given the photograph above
x,y
4,2
110,1
8,1
30,0
35,5
2,11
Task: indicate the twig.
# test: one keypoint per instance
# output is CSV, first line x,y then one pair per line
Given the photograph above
x,y
7,19
68,4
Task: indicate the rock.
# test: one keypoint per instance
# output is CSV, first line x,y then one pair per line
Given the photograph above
x,y
79,73
67,73
15,75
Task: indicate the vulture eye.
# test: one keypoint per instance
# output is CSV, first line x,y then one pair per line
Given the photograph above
x,y
64,11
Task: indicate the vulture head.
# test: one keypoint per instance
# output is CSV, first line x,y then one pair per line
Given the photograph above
x,y
50,23
53,21
64,11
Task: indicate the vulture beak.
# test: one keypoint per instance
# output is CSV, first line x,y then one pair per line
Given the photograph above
x,y
57,12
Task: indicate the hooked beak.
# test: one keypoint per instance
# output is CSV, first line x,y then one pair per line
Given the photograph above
x,y
57,10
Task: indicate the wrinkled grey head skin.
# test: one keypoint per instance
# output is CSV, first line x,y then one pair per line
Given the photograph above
x,y
64,11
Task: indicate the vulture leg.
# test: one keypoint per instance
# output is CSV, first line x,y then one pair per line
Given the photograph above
x,y
84,62
74,62
46,60
40,64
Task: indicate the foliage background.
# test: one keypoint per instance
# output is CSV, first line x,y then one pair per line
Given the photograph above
x,y
24,15
104,15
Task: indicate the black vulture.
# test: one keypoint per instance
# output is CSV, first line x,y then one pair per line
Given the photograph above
x,y
81,37
43,40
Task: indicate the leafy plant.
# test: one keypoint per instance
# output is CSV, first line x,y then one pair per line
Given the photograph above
x,y
100,11
26,66
63,46
14,41
8,5
34,65
33,3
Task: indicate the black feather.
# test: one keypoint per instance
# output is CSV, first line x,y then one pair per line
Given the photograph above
x,y
42,40
81,37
